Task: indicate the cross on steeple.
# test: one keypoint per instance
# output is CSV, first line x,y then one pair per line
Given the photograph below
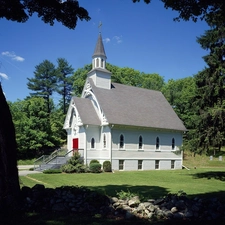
x,y
100,26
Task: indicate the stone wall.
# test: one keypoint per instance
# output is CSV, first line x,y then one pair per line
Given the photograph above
x,y
82,200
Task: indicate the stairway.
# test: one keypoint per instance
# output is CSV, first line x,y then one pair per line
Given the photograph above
x,y
53,161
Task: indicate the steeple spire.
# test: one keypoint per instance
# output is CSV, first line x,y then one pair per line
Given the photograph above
x,y
99,48
99,56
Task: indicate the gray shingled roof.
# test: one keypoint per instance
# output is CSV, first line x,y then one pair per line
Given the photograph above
x,y
99,49
86,111
128,105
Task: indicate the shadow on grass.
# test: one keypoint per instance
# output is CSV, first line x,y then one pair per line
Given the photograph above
x,y
142,190
218,175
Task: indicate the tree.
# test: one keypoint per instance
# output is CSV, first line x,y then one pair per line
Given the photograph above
x,y
210,92
152,81
44,81
194,9
36,130
64,82
9,180
65,12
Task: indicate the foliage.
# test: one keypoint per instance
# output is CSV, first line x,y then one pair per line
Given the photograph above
x,y
93,161
44,82
66,12
52,171
35,130
74,165
64,82
194,9
125,75
126,195
95,167
107,167
209,99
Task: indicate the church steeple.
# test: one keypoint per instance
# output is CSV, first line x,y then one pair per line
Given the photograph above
x,y
99,56
99,74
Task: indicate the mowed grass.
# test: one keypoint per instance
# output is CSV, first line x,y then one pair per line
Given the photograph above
x,y
149,184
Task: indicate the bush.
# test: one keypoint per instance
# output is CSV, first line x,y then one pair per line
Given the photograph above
x,y
51,171
74,165
95,167
107,166
93,161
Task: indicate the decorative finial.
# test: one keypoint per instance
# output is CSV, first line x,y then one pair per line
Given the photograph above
x,y
100,26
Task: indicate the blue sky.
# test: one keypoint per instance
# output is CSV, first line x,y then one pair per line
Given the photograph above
x,y
140,36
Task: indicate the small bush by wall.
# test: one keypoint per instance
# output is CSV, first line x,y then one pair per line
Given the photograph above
x,y
93,161
95,167
107,166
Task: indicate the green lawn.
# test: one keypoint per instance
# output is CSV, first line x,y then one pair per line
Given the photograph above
x,y
150,184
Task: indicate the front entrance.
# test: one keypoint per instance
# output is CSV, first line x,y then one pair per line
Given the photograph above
x,y
75,145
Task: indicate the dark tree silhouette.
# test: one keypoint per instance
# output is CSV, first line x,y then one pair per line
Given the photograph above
x,y
9,180
65,12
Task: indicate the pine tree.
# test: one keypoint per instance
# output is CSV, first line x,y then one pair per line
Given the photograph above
x,y
44,82
64,82
210,92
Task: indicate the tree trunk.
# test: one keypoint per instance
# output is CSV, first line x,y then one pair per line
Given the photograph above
x,y
9,179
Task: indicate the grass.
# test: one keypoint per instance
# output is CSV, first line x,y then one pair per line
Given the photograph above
x,y
208,179
150,184
203,161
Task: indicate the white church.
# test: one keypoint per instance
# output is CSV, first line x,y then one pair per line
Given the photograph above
x,y
133,128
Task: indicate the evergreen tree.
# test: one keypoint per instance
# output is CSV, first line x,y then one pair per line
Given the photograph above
x,y
44,82
64,82
210,92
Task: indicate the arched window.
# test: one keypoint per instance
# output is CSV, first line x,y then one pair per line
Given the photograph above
x,y
71,117
157,143
92,143
140,142
121,141
97,62
104,141
173,143
102,61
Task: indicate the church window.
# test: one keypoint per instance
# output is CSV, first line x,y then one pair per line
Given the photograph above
x,y
104,141
172,164
97,62
121,164
156,164
157,143
92,143
121,141
71,117
140,162
102,61
140,146
173,143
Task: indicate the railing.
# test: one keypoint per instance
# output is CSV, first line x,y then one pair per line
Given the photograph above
x,y
46,159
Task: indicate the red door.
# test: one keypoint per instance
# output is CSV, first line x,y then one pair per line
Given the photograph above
x,y
75,144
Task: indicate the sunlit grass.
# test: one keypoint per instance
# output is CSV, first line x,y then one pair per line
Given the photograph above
x,y
150,184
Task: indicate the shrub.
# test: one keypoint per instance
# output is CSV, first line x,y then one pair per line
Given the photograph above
x,y
51,171
74,165
107,166
68,168
93,161
95,167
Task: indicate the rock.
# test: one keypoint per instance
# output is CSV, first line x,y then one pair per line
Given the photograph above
x,y
174,210
135,201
